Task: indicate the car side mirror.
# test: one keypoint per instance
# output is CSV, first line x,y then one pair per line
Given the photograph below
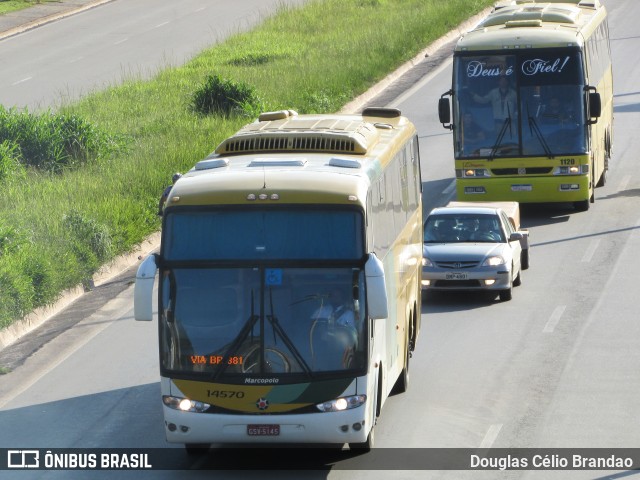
x,y
516,236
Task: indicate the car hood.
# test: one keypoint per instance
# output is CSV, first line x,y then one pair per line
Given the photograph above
x,y
461,251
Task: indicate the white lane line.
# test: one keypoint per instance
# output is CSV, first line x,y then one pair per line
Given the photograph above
x,y
588,254
121,41
449,188
491,435
554,319
161,24
74,60
21,81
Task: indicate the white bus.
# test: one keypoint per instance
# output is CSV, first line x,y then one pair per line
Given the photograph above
x,y
289,281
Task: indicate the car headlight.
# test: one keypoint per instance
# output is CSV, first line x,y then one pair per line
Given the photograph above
x,y
426,262
343,403
494,261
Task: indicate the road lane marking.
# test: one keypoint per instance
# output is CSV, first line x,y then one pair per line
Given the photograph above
x,y
593,246
121,41
449,188
554,319
491,435
161,24
21,81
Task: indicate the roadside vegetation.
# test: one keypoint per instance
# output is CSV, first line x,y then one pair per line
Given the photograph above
x,y
86,189
7,6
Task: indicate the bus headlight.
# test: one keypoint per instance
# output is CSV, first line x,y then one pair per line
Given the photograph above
x,y
185,404
475,172
572,170
493,261
342,403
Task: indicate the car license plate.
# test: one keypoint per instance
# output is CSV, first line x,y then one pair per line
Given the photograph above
x,y
455,276
263,430
521,188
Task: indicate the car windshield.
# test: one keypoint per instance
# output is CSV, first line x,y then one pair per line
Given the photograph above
x,y
463,227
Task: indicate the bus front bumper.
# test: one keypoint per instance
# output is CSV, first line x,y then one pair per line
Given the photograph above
x,y
349,426
566,188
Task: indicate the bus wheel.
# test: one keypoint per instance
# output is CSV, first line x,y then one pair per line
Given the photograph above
x,y
524,259
367,445
402,384
581,206
196,448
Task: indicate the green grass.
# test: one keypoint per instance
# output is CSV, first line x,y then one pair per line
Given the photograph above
x,y
7,6
56,228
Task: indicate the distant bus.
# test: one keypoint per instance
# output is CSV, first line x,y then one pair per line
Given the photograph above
x,y
532,102
289,281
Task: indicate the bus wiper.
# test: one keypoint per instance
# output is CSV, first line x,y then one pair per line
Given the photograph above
x,y
246,329
277,328
533,127
503,130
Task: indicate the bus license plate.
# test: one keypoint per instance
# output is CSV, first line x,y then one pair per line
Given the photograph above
x,y
521,188
263,430
456,276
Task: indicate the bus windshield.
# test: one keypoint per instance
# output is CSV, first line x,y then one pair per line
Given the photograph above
x,y
525,104
234,323
262,291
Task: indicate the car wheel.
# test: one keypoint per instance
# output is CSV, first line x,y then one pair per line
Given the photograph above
x,y
518,280
506,295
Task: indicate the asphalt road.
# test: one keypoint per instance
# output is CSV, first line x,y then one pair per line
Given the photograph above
x,y
555,367
63,60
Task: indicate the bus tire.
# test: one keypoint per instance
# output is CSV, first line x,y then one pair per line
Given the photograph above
x,y
603,179
402,383
524,259
581,206
367,445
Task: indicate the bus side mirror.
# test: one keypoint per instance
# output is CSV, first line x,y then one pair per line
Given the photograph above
x,y
444,111
143,289
377,306
594,107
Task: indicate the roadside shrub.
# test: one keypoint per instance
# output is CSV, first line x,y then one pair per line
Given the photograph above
x,y
55,142
10,239
10,164
90,241
218,95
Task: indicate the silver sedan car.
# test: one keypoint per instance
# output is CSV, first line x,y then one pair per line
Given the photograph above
x,y
473,248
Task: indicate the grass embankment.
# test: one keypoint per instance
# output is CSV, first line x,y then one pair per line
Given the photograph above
x,y
7,6
56,227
